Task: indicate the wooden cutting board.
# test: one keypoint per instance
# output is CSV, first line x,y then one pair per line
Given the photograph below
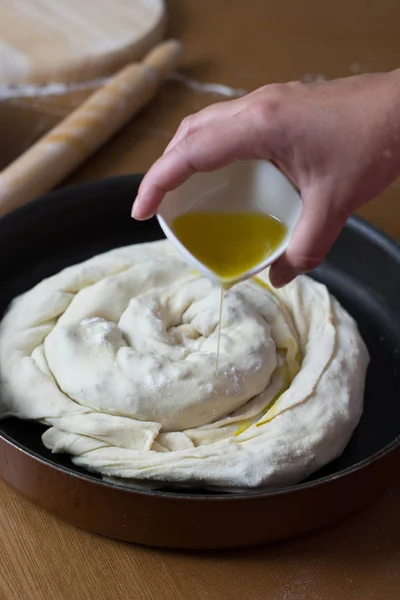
x,y
45,41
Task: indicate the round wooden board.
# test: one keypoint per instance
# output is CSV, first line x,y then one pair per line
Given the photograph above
x,y
45,41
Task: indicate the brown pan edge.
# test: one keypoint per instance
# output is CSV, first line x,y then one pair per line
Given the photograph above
x,y
196,522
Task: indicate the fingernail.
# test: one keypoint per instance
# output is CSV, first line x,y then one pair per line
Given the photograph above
x,y
136,213
134,210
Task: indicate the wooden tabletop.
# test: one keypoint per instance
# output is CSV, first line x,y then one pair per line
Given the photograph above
x,y
241,45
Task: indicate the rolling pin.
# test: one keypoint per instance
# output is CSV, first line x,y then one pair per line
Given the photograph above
x,y
71,142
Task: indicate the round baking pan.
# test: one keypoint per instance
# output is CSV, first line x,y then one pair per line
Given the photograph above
x,y
362,270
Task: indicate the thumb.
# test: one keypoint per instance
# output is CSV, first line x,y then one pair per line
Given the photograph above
x,y
317,229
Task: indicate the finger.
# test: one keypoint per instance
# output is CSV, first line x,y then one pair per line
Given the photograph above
x,y
205,150
314,235
203,118
210,114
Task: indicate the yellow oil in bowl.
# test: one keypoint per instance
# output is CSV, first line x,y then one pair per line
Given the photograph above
x,y
229,244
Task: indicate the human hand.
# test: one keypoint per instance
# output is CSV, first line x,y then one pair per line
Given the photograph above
x,y
338,141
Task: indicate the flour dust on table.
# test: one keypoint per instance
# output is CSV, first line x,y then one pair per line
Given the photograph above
x,y
116,355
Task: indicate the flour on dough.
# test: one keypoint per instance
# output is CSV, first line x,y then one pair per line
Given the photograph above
x,y
116,356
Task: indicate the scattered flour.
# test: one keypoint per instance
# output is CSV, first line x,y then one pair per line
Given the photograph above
x,y
59,89
313,77
51,89
208,88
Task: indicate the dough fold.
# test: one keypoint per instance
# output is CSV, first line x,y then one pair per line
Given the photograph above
x,y
117,356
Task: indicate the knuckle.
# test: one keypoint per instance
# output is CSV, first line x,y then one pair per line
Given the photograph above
x,y
267,110
188,125
266,116
270,101
185,151
183,146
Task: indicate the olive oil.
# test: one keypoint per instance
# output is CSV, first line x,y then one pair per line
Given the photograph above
x,y
221,304
229,244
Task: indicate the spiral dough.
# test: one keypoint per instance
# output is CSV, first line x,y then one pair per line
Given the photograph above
x,y
117,356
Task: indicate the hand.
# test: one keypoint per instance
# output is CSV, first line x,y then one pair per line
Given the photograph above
x,y
338,141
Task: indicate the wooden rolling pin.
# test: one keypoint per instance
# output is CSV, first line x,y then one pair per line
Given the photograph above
x,y
70,143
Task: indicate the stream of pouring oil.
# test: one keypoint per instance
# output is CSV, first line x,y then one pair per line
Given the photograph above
x,y
229,244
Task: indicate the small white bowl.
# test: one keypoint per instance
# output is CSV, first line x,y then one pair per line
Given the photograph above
x,y
243,186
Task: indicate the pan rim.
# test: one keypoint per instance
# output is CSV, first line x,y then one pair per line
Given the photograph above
x,y
180,495
355,223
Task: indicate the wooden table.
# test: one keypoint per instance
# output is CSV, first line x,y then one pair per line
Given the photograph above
x,y
241,45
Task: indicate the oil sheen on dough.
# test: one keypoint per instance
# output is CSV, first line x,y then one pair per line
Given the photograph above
x,y
117,356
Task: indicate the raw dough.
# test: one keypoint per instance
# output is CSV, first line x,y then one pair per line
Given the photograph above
x,y
117,356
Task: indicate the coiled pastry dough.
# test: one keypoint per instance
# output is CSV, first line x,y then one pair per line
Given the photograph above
x,y
117,356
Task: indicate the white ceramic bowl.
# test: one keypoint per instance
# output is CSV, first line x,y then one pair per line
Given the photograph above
x,y
243,186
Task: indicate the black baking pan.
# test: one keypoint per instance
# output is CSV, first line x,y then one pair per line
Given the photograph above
x,y
362,270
